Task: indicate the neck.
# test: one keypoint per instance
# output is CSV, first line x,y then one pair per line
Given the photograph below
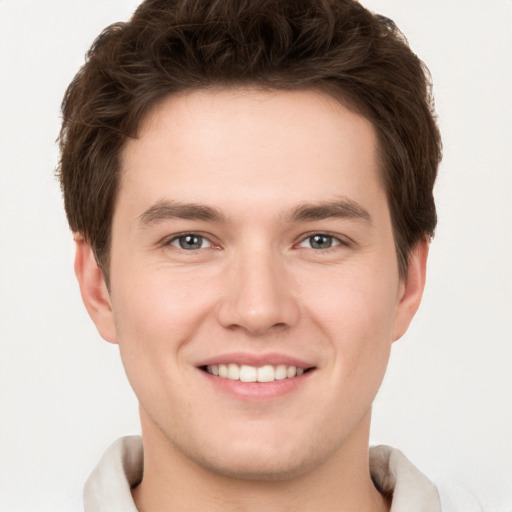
x,y
174,482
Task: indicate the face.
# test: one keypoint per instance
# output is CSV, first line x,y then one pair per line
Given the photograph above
x,y
254,286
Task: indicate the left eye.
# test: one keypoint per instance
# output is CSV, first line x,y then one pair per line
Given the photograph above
x,y
190,242
319,241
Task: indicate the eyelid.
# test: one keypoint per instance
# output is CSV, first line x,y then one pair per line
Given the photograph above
x,y
340,239
168,240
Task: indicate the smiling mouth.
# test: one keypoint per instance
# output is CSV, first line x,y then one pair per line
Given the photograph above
x,y
246,373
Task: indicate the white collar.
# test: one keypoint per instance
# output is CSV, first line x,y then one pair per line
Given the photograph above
x,y
108,487
393,474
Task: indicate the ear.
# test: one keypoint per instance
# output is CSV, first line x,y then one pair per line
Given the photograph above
x,y
94,290
411,288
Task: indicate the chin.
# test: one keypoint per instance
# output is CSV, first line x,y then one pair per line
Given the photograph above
x,y
264,458
260,467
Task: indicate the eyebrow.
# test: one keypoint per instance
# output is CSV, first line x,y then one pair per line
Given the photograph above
x,y
165,210
341,209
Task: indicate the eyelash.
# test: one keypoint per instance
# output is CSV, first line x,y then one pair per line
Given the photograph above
x,y
334,241
177,238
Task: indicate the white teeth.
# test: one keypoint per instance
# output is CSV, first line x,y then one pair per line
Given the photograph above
x,y
233,372
266,373
280,372
246,373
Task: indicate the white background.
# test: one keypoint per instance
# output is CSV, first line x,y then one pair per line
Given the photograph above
x,y
446,401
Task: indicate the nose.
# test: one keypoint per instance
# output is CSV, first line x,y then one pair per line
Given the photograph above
x,y
258,296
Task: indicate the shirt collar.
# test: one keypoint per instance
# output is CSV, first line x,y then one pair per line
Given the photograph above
x,y
394,475
120,469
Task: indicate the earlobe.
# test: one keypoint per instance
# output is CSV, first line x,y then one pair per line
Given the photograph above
x,y
412,288
94,291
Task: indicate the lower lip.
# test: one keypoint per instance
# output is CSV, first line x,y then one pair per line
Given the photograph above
x,y
257,390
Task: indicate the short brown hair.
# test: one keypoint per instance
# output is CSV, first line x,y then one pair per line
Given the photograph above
x,y
173,45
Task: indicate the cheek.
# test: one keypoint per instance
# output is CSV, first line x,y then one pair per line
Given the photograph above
x,y
356,297
156,299
356,311
156,315
155,320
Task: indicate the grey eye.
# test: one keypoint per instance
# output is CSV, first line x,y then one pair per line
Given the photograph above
x,y
319,241
190,242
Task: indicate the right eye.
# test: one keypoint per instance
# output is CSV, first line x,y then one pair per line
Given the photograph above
x,y
190,242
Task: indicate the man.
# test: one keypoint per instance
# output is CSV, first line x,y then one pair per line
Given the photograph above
x,y
250,188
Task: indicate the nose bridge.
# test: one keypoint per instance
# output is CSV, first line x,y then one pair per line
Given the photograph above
x,y
258,296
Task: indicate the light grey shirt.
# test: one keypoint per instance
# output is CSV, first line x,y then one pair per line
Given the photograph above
x,y
108,487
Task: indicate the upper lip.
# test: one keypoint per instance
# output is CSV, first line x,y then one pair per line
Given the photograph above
x,y
257,360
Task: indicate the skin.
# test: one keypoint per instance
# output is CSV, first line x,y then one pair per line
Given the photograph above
x,y
254,285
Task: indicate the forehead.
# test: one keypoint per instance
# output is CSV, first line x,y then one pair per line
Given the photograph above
x,y
247,145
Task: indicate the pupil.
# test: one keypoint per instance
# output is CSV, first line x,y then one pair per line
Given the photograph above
x,y
321,242
190,242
